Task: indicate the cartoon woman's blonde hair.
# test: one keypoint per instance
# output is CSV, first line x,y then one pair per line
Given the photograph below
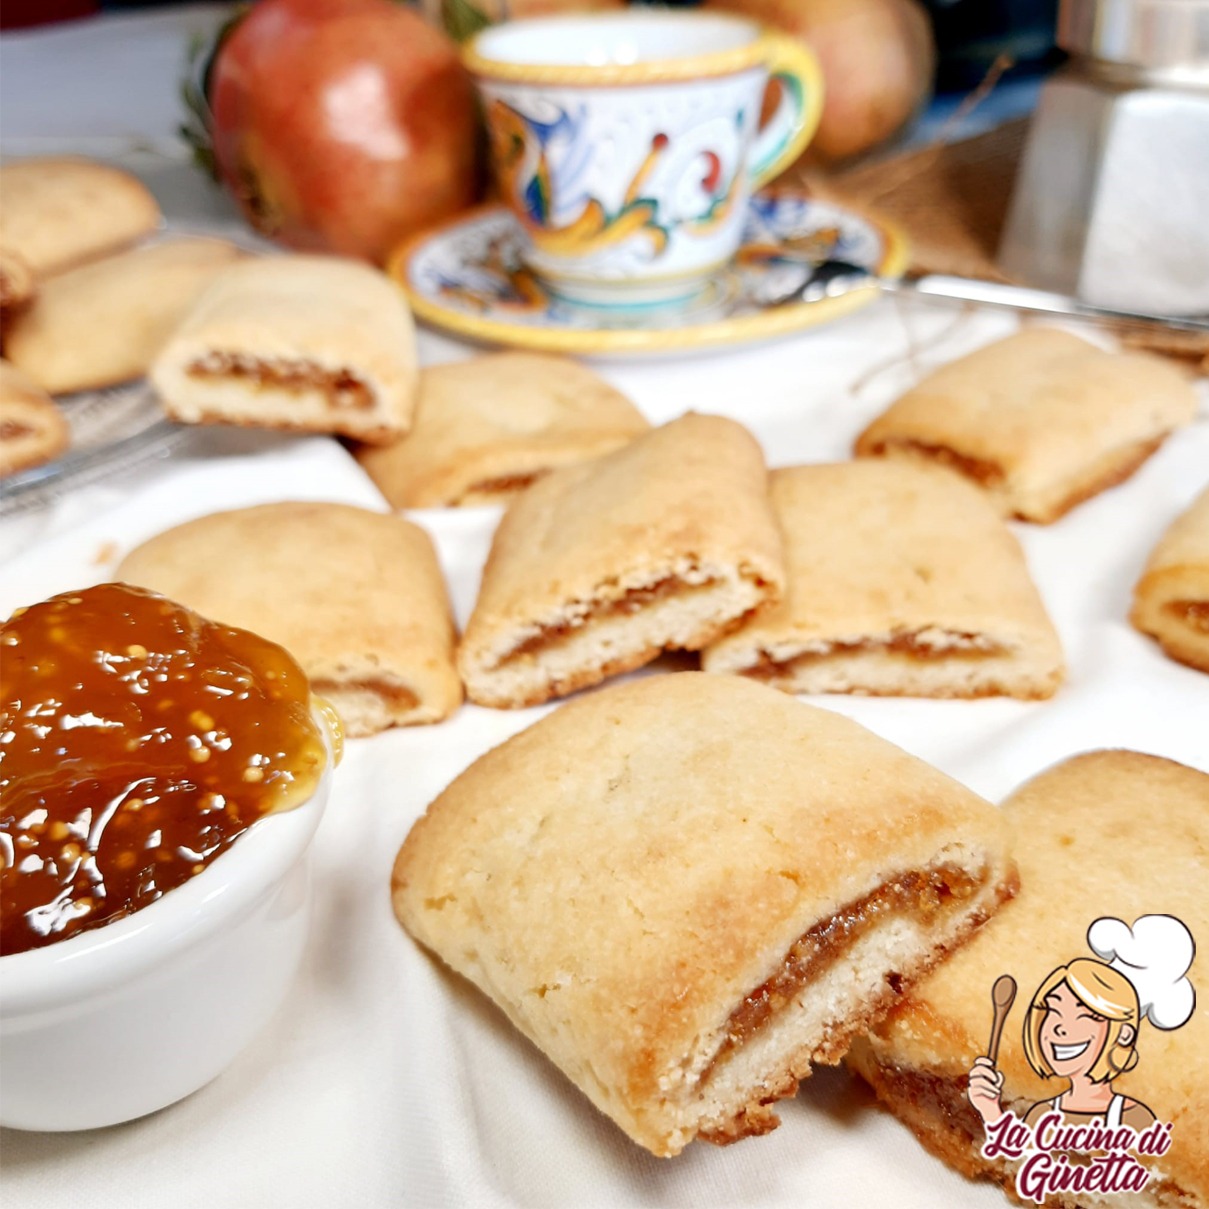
x,y
1100,989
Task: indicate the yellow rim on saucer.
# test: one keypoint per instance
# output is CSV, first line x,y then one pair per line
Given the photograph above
x,y
712,63
766,325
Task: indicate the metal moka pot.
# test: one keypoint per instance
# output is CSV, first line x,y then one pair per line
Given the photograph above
x,y
1111,203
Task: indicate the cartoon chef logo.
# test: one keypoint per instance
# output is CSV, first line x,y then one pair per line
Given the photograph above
x,y
1082,1028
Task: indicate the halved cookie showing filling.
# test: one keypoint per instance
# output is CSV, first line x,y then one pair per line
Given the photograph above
x,y
32,428
902,581
340,386
357,597
300,342
687,889
1171,600
1040,421
599,567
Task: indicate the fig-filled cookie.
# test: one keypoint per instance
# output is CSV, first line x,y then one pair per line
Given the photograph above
x,y
687,889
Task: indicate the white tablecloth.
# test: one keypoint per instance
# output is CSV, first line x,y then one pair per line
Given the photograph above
x,y
384,1081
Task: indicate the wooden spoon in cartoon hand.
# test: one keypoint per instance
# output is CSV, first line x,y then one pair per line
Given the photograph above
x,y
1003,995
986,1083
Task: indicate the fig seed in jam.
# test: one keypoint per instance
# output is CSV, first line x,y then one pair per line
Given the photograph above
x,y
137,742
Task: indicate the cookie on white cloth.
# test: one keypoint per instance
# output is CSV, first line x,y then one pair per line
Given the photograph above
x,y
485,429
687,889
902,581
1040,421
597,568
1171,600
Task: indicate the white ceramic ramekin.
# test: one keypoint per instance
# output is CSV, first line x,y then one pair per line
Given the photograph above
x,y
134,1015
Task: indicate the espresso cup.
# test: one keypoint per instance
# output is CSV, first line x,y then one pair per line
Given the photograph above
x,y
627,144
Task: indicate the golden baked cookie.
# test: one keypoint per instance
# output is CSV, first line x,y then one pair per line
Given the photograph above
x,y
687,889
1108,834
104,322
313,343
57,211
1171,600
17,286
357,597
32,429
597,568
1041,421
487,428
901,581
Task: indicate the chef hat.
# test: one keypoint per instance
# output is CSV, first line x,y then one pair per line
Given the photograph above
x,y
1155,955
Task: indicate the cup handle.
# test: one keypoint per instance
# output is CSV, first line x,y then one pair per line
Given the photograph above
x,y
785,135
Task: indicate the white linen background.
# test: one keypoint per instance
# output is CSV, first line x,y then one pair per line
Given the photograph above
x,y
383,1080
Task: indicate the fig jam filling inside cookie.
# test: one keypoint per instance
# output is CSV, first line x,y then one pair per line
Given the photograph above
x,y
341,387
929,896
942,1100
981,471
16,281
633,600
1193,613
925,894
932,643
398,696
504,484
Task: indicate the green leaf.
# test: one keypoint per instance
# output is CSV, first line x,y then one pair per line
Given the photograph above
x,y
194,91
462,19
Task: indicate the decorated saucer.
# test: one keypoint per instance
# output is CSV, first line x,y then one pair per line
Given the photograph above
x,y
468,278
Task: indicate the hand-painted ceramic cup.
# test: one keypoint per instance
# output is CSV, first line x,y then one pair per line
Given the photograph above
x,y
628,144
